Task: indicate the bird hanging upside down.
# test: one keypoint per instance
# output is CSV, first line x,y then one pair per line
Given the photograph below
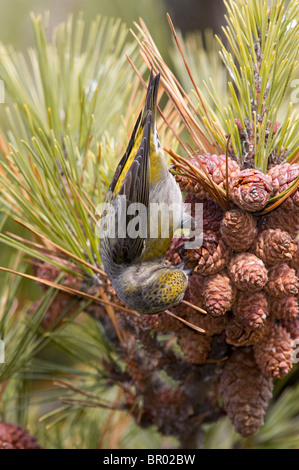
x,y
135,260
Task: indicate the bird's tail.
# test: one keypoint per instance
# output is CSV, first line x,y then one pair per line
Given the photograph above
x,y
151,98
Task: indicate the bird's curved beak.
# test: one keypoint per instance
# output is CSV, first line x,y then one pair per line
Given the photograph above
x,y
186,270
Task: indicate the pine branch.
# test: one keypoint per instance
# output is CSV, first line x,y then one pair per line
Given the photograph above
x,y
262,59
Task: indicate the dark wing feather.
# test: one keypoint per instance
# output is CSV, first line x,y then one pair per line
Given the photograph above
x,y
150,105
126,155
135,188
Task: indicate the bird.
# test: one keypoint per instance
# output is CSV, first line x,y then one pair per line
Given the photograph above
x,y
135,262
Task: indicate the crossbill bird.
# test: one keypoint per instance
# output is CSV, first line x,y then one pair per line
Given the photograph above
x,y
135,262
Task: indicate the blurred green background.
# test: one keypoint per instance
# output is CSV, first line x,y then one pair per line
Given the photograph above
x,y
187,15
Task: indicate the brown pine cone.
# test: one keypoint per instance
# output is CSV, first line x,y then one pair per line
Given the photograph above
x,y
139,372
282,282
49,272
283,309
63,306
173,253
238,229
274,246
250,190
190,186
274,354
218,294
294,262
292,327
195,346
171,398
245,392
282,177
251,309
15,437
215,166
238,335
161,323
210,258
211,212
193,295
161,405
212,216
280,218
247,272
211,325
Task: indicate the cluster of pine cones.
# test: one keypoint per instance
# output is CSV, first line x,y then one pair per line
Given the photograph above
x,y
247,282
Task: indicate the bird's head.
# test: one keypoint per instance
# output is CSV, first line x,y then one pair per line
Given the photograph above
x,y
153,287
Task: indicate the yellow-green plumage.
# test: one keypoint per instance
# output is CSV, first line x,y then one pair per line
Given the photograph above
x,y
135,266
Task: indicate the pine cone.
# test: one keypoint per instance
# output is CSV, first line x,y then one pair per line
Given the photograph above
x,y
210,258
211,212
161,323
193,295
238,229
195,346
211,325
280,218
218,294
282,282
49,272
274,354
274,246
191,187
173,252
63,306
283,309
250,190
215,166
239,335
291,325
15,437
245,392
212,216
140,374
247,272
161,405
282,177
251,309
294,262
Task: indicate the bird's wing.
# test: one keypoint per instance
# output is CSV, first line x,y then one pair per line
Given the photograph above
x,y
126,155
137,135
135,188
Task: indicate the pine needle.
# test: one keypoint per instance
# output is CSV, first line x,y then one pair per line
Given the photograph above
x,y
198,309
68,290
187,323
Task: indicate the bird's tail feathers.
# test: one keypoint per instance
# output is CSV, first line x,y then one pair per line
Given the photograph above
x,y
151,97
